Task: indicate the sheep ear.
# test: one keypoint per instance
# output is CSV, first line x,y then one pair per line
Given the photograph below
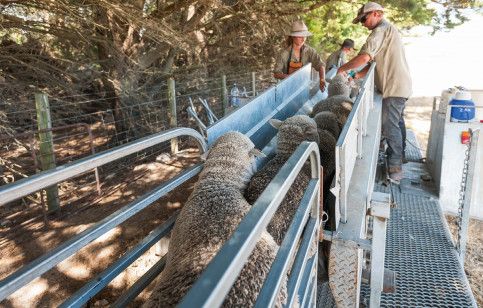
x,y
204,156
275,123
310,130
257,153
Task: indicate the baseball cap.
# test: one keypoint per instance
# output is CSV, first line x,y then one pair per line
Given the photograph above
x,y
366,8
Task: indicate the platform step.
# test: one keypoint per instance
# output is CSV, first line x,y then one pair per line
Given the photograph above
x,y
419,248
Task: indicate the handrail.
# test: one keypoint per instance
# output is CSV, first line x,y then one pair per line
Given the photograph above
x,y
50,177
218,278
47,261
349,144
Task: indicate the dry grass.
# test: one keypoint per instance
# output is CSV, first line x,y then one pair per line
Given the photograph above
x,y
418,118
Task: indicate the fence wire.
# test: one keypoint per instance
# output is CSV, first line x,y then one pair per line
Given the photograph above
x,y
75,118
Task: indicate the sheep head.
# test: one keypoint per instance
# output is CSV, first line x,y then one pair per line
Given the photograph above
x,y
293,131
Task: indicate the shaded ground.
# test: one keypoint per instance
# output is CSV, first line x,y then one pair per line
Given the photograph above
x,y
52,288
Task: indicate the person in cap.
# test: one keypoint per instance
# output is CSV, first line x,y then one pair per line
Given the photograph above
x,y
339,57
391,76
296,53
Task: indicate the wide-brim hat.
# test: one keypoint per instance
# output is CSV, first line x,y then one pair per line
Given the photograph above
x,y
299,29
348,43
366,8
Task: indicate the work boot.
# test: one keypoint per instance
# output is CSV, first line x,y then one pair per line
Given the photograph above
x,y
396,173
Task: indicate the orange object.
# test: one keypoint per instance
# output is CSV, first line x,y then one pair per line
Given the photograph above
x,y
294,66
465,137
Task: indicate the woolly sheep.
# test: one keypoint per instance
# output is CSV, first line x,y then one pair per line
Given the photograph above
x,y
292,132
326,104
338,86
327,145
327,120
342,112
328,127
211,214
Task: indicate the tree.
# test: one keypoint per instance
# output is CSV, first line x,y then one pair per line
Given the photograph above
x,y
332,23
117,48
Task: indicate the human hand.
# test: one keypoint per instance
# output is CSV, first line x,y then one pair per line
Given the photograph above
x,y
322,85
341,72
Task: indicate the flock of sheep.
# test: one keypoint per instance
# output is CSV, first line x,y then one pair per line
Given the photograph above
x,y
228,186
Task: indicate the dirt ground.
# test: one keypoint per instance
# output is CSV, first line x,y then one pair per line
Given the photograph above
x,y
56,285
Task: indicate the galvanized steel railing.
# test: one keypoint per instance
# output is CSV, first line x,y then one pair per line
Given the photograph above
x,y
349,144
216,281
45,179
287,97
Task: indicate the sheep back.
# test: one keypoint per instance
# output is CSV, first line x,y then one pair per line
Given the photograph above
x,y
282,218
327,120
327,152
326,104
213,211
338,88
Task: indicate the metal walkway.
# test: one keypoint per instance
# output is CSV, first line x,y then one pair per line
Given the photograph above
x,y
418,246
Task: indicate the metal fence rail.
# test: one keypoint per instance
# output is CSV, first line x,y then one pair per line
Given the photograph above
x,y
349,144
218,278
26,186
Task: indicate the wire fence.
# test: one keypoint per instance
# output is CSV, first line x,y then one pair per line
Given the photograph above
x,y
82,125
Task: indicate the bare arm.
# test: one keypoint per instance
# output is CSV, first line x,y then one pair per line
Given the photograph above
x,y
322,78
279,75
356,62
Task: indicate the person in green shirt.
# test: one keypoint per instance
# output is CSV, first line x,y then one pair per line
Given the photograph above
x,y
339,57
296,53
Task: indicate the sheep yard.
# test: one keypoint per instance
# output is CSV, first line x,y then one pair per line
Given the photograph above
x,y
52,288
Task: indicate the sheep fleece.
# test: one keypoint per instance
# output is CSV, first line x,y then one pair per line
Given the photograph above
x,y
211,214
292,132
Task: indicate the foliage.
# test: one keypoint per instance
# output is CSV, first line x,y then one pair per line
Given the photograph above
x,y
332,23
113,48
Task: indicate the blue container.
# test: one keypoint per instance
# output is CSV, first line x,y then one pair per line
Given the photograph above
x,y
463,113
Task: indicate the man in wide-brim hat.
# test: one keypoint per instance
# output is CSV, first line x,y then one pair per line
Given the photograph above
x,y
296,53
391,76
339,57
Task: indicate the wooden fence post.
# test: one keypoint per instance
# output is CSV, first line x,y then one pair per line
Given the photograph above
x,y
47,156
172,113
224,101
253,85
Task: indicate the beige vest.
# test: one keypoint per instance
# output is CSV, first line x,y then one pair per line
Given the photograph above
x,y
386,48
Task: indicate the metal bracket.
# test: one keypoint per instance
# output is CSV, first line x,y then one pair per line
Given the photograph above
x,y
360,243
381,211
380,205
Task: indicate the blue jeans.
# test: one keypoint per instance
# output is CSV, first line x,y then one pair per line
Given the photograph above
x,y
402,126
392,111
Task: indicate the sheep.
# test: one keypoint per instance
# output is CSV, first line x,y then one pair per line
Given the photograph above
x,y
338,86
292,132
327,145
327,120
328,127
340,105
213,211
326,104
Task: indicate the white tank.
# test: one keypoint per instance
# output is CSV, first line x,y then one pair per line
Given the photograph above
x,y
477,96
